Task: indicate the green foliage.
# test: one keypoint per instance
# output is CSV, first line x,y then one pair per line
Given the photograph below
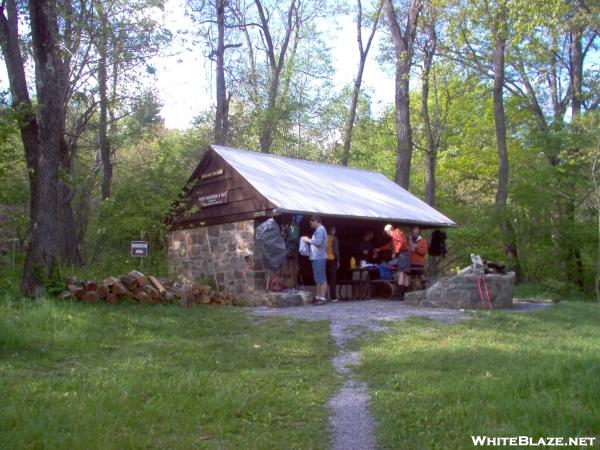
x,y
132,376
506,374
150,175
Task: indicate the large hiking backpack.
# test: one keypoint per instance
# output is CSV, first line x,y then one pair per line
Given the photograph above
x,y
437,247
271,244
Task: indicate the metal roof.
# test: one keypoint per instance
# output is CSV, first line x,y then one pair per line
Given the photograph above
x,y
299,186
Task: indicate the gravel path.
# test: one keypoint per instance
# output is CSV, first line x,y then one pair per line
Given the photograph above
x,y
350,419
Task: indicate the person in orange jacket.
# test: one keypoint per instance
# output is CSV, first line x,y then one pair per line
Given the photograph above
x,y
401,252
418,253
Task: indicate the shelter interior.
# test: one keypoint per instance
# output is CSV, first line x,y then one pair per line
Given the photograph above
x,y
349,232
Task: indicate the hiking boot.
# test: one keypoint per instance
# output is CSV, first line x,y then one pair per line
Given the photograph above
x,y
399,294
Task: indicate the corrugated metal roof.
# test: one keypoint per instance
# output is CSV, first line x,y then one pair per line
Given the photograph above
x,y
295,185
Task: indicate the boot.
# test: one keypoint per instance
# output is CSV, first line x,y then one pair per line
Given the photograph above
x,y
399,293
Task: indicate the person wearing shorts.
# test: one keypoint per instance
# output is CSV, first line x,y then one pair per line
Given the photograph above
x,y
318,258
401,252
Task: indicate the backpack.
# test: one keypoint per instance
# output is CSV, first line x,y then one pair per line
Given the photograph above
x,y
271,244
385,273
438,243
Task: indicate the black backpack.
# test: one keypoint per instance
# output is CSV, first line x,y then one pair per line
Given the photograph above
x,y
438,243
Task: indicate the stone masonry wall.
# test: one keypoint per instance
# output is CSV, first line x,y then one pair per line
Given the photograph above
x,y
232,247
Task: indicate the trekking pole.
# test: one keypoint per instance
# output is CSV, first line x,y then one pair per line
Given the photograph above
x,y
487,293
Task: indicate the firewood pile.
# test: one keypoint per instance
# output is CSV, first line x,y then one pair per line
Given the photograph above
x,y
144,289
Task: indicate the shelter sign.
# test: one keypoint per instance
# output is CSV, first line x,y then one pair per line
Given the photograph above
x,y
139,249
217,198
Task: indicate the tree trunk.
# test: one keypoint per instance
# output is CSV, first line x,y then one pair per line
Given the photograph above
x,y
103,140
404,144
276,64
221,114
432,143
352,112
403,44
266,134
50,90
363,52
68,248
510,248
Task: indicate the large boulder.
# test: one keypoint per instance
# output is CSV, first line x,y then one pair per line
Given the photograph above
x,y
462,292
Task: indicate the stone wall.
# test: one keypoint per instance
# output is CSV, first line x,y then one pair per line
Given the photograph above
x,y
461,292
236,260
232,248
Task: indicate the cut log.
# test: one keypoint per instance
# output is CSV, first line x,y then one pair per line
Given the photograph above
x,y
112,299
90,285
76,290
170,297
110,281
157,285
167,283
204,289
139,277
135,274
153,293
118,288
103,290
142,297
129,282
90,297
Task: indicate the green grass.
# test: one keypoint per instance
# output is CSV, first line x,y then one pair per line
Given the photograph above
x,y
506,374
75,376
551,291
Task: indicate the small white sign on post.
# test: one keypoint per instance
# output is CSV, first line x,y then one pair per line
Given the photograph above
x,y
139,249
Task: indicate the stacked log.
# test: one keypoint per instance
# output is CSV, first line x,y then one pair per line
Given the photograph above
x,y
144,289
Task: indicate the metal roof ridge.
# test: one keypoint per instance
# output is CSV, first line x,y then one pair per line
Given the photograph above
x,y
310,161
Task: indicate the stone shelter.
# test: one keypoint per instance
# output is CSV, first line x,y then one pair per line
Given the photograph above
x,y
212,223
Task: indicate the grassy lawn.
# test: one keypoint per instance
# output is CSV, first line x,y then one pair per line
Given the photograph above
x,y
537,374
76,376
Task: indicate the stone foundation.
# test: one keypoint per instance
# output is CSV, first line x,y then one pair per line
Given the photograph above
x,y
282,299
227,253
461,292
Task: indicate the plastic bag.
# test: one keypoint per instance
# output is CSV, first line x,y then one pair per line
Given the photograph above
x,y
304,248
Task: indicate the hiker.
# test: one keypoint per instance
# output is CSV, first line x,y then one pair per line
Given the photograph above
x,y
418,252
333,263
363,250
401,252
318,258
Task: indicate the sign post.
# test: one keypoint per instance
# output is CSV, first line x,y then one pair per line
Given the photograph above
x,y
139,249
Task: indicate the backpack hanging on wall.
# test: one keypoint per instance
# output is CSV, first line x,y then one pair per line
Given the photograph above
x,y
438,243
271,244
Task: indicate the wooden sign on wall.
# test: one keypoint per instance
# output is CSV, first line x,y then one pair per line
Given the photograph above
x,y
217,198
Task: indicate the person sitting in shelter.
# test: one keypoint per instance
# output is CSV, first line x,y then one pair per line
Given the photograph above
x,y
318,257
401,252
333,263
363,250
418,252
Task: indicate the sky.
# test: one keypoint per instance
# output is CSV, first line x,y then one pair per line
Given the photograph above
x,y
185,81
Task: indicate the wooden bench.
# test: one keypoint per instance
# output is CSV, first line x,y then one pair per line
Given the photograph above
x,y
383,288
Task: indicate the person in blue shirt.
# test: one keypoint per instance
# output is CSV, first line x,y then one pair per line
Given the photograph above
x,y
318,258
